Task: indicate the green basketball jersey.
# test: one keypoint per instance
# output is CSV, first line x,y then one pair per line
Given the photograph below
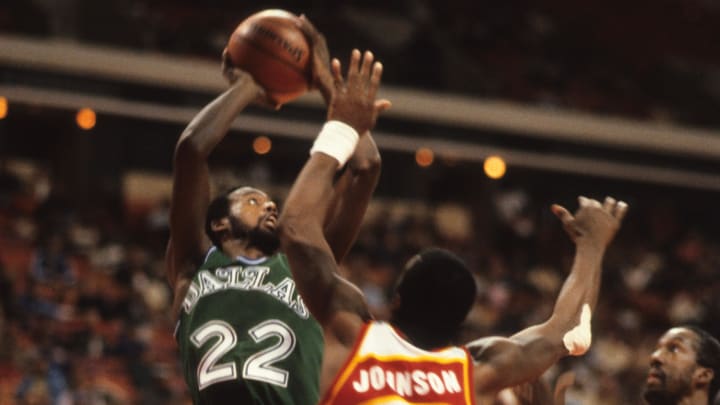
x,y
245,335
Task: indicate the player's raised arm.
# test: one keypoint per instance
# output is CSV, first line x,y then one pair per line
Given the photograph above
x,y
354,188
524,356
352,111
353,191
191,178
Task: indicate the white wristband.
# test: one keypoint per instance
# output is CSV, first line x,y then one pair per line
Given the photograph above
x,y
578,339
337,140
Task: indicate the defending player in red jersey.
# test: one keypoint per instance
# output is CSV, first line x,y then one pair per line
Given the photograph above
x,y
411,360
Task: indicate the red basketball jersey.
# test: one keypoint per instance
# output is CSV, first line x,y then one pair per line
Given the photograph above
x,y
384,368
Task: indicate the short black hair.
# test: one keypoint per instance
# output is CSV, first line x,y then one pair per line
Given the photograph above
x,y
707,355
219,208
436,293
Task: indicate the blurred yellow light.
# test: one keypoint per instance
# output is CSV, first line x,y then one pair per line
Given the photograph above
x,y
262,145
85,118
424,157
494,167
3,107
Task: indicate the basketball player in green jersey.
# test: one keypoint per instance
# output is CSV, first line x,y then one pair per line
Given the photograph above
x,y
244,334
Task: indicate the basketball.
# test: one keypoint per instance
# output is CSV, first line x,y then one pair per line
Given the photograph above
x,y
270,46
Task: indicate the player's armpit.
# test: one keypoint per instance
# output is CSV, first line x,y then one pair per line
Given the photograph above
x,y
505,362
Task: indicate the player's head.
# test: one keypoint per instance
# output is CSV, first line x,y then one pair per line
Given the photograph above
x,y
685,363
244,213
433,296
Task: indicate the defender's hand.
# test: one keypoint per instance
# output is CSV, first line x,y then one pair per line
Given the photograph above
x,y
593,223
353,100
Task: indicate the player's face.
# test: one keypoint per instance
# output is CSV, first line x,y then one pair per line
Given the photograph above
x,y
252,211
672,367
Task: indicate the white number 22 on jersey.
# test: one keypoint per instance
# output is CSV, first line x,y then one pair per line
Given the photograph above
x,y
258,367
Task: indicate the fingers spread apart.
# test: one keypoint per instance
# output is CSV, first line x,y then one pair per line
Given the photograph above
x,y
620,210
615,208
562,213
609,204
588,202
362,70
336,69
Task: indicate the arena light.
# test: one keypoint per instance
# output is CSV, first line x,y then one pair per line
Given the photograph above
x,y
262,145
85,118
494,167
3,107
424,157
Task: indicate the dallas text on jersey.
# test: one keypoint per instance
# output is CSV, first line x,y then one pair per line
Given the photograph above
x,y
251,278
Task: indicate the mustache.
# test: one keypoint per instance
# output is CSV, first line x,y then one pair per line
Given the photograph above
x,y
657,372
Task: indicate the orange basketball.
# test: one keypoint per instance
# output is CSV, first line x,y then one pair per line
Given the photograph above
x,y
271,47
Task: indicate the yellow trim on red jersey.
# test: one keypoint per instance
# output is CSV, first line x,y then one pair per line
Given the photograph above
x,y
354,360
329,397
386,398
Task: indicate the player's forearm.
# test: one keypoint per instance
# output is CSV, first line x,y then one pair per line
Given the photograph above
x,y
353,194
571,315
568,330
212,123
310,196
581,286
191,176
505,362
301,232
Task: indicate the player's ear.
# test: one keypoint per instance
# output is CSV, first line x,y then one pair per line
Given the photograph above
x,y
703,376
220,225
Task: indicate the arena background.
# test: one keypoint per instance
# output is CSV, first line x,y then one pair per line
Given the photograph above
x,y
593,98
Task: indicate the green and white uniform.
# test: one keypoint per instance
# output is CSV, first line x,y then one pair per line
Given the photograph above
x,y
245,335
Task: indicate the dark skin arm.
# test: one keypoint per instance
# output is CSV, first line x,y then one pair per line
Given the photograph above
x,y
504,362
334,302
191,189
191,179
353,191
539,392
354,188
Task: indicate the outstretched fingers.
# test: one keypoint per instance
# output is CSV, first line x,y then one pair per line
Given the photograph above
x,y
588,202
375,78
620,210
382,105
336,69
615,208
367,62
567,219
354,67
562,213
354,100
609,204
362,70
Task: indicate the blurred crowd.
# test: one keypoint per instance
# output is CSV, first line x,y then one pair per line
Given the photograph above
x,y
645,59
85,308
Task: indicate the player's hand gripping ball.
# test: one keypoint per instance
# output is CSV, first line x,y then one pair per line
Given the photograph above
x,y
271,47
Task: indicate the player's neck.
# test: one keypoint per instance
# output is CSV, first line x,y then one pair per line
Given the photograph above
x,y
419,337
695,398
236,247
